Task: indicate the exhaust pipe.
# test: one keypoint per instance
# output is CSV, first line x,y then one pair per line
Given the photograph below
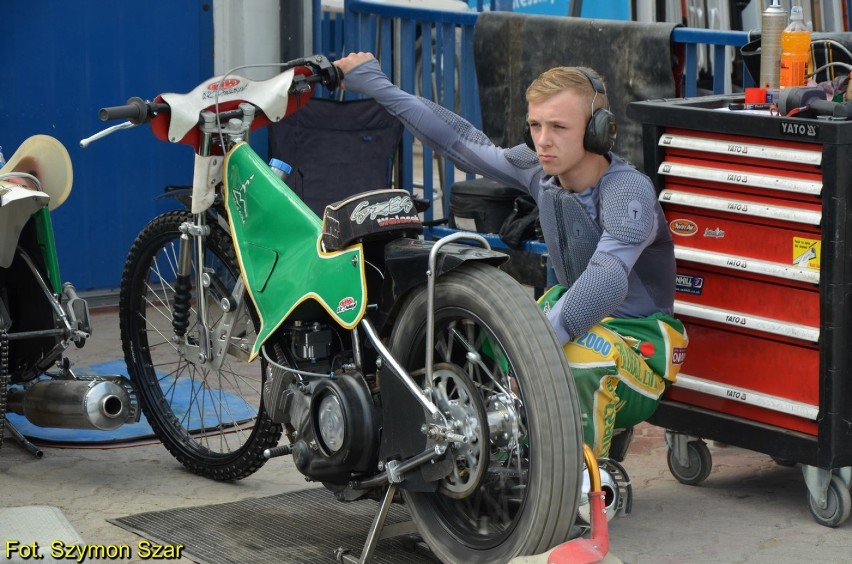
x,y
99,403
616,487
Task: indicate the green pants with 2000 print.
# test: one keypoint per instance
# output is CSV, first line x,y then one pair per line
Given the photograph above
x,y
621,367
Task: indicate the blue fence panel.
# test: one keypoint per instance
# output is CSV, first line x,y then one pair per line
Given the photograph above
x,y
430,53
65,61
454,84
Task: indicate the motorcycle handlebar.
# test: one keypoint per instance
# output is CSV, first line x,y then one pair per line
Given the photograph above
x,y
137,111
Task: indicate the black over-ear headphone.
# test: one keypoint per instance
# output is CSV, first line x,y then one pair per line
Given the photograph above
x,y
601,129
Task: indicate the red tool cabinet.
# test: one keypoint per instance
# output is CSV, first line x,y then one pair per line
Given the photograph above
x,y
759,208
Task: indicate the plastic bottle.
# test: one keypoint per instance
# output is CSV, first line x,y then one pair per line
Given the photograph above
x,y
2,158
772,23
795,51
280,168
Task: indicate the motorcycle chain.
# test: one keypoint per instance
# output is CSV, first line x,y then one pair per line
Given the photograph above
x,y
4,380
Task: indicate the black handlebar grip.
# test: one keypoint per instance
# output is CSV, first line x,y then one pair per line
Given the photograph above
x,y
135,111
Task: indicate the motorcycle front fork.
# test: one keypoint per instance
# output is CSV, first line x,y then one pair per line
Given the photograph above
x,y
213,341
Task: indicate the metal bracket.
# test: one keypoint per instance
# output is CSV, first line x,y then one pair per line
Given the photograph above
x,y
678,442
374,534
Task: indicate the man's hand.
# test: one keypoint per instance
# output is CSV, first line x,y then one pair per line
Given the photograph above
x,y
351,61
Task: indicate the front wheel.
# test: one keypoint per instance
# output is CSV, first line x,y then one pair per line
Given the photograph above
x,y
209,416
499,373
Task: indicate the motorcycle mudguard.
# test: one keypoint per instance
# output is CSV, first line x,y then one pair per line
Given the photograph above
x,y
407,260
277,239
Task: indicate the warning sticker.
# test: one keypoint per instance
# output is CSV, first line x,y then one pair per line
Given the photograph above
x,y
806,252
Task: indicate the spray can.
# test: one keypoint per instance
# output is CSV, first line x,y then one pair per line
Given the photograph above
x,y
772,23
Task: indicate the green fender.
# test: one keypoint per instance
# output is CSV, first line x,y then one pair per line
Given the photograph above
x,y
277,239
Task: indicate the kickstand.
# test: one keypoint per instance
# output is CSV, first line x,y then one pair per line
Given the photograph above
x,y
18,437
373,536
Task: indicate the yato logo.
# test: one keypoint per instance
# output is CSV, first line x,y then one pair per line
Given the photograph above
x,y
799,129
223,84
683,227
678,355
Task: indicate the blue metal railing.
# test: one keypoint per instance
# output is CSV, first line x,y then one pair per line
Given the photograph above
x,y
692,39
395,35
440,69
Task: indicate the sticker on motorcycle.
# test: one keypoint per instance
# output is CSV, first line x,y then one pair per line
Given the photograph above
x,y
238,194
384,209
227,87
346,304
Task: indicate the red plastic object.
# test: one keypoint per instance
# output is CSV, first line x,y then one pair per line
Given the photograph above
x,y
586,550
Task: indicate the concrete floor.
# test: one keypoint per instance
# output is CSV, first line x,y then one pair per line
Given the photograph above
x,y
750,510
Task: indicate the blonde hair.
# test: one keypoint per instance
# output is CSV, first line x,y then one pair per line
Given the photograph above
x,y
558,79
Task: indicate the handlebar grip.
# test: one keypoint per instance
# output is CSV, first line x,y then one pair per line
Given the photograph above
x,y
136,111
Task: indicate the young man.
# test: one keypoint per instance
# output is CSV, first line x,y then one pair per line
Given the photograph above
x,y
605,231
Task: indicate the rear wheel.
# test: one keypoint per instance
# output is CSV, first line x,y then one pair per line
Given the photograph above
x,y
209,417
499,373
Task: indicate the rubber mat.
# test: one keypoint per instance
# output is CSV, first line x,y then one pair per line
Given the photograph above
x,y
303,527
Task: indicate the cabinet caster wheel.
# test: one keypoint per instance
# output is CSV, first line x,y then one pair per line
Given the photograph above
x,y
784,462
700,464
837,507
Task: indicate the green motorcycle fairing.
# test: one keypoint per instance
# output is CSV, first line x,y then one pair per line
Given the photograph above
x,y
277,239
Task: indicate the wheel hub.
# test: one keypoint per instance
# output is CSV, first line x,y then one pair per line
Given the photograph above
x,y
503,422
459,401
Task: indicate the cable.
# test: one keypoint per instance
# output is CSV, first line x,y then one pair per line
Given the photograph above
x,y
825,66
834,43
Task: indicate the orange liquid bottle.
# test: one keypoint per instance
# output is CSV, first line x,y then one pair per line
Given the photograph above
x,y
795,51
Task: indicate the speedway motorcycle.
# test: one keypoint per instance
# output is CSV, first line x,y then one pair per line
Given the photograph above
x,y
391,364
39,316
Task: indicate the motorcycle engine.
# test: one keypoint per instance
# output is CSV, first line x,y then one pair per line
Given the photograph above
x,y
330,417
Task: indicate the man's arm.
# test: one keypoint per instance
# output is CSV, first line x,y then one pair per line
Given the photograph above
x,y
446,133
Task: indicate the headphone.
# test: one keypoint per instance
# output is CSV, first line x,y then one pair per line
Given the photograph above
x,y
601,129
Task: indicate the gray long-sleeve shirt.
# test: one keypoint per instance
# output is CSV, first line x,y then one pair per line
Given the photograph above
x,y
609,245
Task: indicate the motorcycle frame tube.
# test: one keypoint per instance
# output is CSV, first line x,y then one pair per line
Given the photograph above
x,y
47,244
57,309
430,289
400,372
